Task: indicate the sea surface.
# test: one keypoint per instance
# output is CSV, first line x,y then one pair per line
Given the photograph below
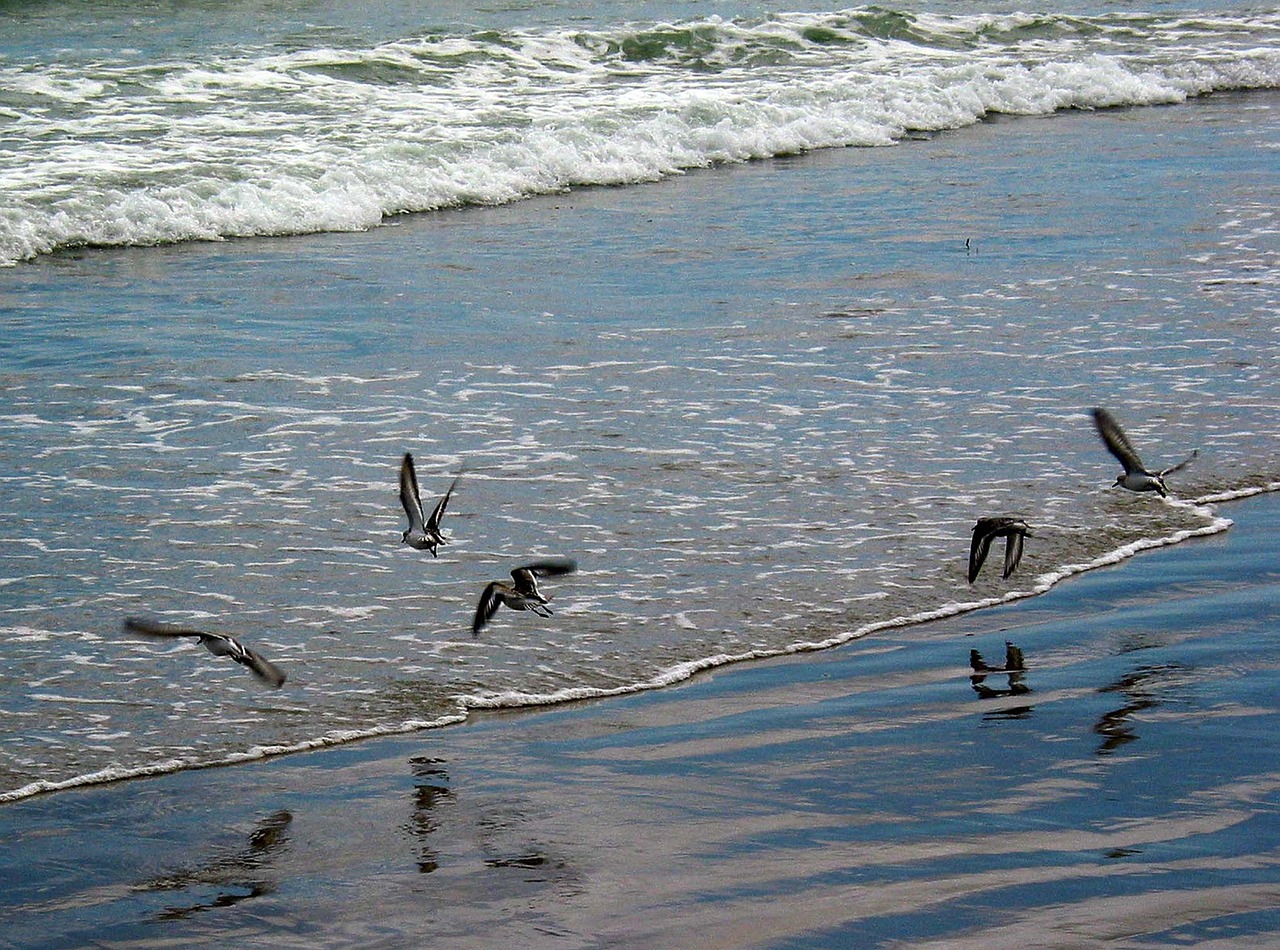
x,y
860,277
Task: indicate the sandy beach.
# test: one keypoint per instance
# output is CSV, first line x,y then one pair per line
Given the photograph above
x,y
867,796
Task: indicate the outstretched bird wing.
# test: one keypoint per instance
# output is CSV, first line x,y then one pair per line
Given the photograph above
x,y
146,627
1012,552
1181,465
259,665
1116,441
409,496
489,602
433,523
550,567
978,548
526,583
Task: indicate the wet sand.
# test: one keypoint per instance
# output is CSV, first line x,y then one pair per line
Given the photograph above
x,y
866,796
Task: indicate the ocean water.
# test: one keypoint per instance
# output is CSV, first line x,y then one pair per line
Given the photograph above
x,y
760,402
151,123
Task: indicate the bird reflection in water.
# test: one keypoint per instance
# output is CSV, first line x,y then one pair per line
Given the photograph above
x,y
1015,668
430,791
1143,688
237,876
497,831
509,850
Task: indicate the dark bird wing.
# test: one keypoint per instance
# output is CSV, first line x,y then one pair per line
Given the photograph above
x,y
982,536
433,523
143,626
216,643
526,583
1013,552
1181,465
259,665
488,605
550,567
525,574
1116,441
409,496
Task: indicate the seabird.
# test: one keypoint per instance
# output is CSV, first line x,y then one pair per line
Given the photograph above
x,y
1013,530
423,533
216,643
523,594
1135,477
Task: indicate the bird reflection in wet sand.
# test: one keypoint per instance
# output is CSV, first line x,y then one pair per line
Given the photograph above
x,y
500,835
523,594
430,792
218,644
238,877
1136,477
1013,530
1143,688
1014,667
510,851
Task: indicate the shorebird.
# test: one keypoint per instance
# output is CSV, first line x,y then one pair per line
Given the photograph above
x,y
1013,530
523,594
1136,477
216,643
423,533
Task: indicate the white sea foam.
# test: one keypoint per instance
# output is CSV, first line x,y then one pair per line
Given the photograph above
x,y
670,675
485,120
179,764
686,670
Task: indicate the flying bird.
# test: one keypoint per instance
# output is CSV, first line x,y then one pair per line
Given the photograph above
x,y
1013,530
424,534
216,643
523,593
1136,477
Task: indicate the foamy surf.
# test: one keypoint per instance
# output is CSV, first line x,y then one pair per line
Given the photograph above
x,y
120,773
424,123
670,676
